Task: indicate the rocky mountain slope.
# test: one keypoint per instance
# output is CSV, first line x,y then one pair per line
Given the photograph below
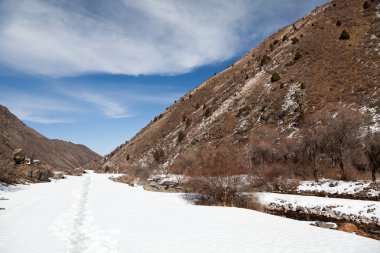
x,y
329,58
59,154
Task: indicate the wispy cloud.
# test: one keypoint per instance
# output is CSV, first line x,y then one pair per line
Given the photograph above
x,y
37,108
107,105
59,38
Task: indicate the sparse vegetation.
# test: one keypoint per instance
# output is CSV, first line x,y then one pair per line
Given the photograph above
x,y
208,112
295,40
366,5
159,155
297,56
181,136
7,173
188,122
372,152
275,77
216,179
264,60
344,35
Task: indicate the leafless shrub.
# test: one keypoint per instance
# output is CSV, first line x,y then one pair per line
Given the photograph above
x,y
7,173
216,177
372,151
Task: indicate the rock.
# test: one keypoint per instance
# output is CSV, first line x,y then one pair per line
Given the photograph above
x,y
77,172
41,175
348,227
169,184
58,175
37,174
152,188
329,225
18,156
300,209
375,232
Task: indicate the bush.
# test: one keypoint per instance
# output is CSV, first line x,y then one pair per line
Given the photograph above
x,y
197,106
7,174
285,37
220,191
344,35
208,112
181,136
338,23
295,41
264,60
188,122
275,77
297,56
366,5
158,155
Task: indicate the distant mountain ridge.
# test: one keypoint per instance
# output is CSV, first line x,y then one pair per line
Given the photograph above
x,y
59,154
329,58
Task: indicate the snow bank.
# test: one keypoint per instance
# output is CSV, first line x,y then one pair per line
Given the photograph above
x,y
362,188
94,214
359,211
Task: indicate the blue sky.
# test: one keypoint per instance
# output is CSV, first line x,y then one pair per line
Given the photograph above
x,y
95,72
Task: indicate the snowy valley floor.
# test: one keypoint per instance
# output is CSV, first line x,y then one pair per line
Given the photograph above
x,y
94,214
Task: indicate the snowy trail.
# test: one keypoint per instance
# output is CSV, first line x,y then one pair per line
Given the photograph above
x,y
93,214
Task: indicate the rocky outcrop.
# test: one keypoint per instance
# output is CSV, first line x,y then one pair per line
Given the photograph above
x,y
19,156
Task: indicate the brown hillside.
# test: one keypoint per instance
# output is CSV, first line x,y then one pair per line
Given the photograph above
x,y
59,154
315,71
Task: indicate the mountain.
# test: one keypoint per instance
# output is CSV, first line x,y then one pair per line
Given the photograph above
x,y
59,154
329,59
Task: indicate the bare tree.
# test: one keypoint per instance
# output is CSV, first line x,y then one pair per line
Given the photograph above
x,y
372,151
313,141
342,137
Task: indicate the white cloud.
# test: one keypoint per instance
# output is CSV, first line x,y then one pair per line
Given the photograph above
x,y
108,104
127,37
60,38
37,108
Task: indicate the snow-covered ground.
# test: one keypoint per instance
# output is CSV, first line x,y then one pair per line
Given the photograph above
x,y
94,214
359,211
339,187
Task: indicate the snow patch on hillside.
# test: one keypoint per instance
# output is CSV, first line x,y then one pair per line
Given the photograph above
x,y
375,117
290,101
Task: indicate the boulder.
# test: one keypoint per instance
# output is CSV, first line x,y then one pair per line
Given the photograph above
x,y
58,175
41,175
37,174
77,172
348,227
329,225
18,156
